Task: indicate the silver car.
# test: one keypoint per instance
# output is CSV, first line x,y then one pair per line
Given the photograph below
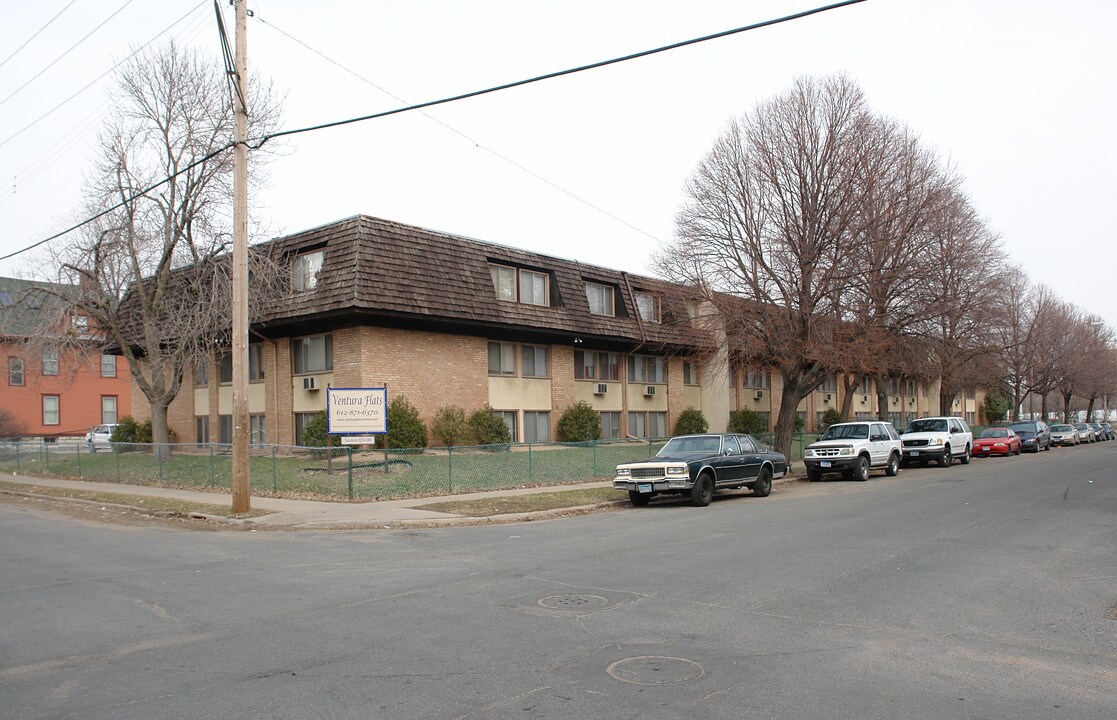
x,y
98,438
1086,432
1064,435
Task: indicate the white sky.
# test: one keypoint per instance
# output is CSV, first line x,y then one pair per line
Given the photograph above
x,y
1021,96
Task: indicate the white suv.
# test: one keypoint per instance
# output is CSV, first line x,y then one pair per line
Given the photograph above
x,y
853,448
937,438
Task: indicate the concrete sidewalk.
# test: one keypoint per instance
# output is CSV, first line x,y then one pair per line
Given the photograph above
x,y
313,514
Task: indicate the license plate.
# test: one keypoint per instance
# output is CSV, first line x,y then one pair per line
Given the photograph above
x,y
915,453
983,449
643,487
824,463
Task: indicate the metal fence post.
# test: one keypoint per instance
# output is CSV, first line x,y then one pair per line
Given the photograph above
x,y
159,457
116,454
19,468
78,448
274,479
46,456
349,463
450,467
529,462
594,468
212,477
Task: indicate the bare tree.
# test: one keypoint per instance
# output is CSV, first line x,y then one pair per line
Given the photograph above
x,y
766,232
152,273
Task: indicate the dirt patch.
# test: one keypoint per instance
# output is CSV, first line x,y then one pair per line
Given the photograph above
x,y
115,514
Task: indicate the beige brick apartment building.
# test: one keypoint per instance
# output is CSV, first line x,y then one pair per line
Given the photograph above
x,y
446,320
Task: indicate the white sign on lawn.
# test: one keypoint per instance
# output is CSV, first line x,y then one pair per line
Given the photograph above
x,y
359,411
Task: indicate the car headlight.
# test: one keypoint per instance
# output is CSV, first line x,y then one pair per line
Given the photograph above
x,y
845,452
935,441
676,471
808,453
622,472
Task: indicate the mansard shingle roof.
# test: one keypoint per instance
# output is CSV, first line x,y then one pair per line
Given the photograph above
x,y
412,277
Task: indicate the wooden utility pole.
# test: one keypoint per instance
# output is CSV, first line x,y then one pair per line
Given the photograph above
x,y
241,491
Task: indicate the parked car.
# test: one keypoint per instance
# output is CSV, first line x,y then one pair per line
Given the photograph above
x,y
98,438
853,449
697,465
1109,429
1065,435
1086,433
1099,431
937,438
997,441
1035,435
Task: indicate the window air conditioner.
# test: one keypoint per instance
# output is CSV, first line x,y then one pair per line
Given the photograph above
x,y
649,390
828,396
864,398
601,389
758,395
911,400
310,383
895,399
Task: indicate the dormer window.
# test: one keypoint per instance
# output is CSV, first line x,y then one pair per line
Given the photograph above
x,y
648,306
600,298
520,285
305,269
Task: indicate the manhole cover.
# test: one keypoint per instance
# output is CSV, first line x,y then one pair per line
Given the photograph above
x,y
655,670
573,602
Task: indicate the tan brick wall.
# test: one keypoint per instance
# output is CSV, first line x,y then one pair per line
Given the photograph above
x,y
676,396
563,393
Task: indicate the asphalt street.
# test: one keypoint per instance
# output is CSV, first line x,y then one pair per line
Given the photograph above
x,y
980,591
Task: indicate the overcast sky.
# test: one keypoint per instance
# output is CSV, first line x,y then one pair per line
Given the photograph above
x,y
1021,96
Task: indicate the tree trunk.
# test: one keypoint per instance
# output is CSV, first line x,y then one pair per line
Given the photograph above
x,y
1066,406
849,384
785,421
946,400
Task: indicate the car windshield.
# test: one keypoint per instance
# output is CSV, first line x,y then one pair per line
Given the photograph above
x,y
846,432
1061,428
1023,427
694,444
1082,426
994,433
927,425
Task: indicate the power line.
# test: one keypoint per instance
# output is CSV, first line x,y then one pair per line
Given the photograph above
x,y
37,33
68,51
431,103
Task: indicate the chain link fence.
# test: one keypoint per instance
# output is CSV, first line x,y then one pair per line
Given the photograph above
x,y
334,473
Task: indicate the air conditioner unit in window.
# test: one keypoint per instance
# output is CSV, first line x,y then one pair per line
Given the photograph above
x,y
600,389
758,395
864,398
310,383
828,396
895,399
649,390
911,400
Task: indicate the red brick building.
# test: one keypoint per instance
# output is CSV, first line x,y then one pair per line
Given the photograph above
x,y
50,393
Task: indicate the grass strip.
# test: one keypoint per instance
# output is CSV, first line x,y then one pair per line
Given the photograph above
x,y
535,502
141,502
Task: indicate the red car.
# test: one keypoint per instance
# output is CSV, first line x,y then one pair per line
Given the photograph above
x,y
997,441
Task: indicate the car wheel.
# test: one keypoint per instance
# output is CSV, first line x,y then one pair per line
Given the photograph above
x,y
703,491
892,469
966,457
763,485
92,449
813,474
946,458
861,472
639,499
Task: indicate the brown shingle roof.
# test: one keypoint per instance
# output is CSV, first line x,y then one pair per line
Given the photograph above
x,y
389,271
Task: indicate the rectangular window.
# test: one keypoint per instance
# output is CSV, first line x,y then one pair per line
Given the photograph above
x,y
819,420
646,369
524,286
313,354
590,365
255,362
864,386
225,368
502,358
201,371
690,373
829,384
50,362
509,418
647,425
225,429
301,421
534,361
600,298
305,269
758,378
81,324
108,409
648,307
537,426
201,430
108,366
767,416
15,371
257,429
51,410
611,426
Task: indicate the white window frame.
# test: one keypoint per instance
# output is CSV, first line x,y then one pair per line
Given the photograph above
x,y
50,363
52,415
601,299
17,372
647,306
504,357
305,268
108,366
108,409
